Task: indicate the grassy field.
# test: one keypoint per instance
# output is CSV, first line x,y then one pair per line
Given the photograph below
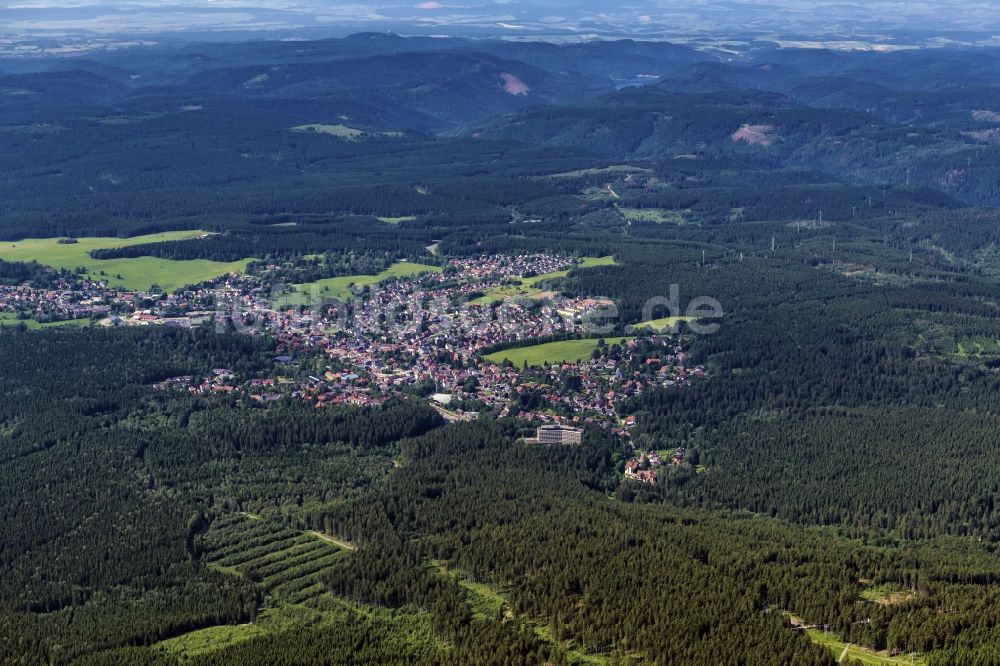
x,y
487,603
339,131
343,287
506,292
842,651
615,169
139,273
490,602
211,639
980,347
10,319
663,324
411,631
551,352
531,287
887,594
657,215
288,563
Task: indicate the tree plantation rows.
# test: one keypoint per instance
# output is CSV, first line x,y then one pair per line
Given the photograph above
x,y
107,479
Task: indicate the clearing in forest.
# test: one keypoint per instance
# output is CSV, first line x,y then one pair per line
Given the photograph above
x,y
843,651
288,564
490,602
664,324
138,273
339,131
657,215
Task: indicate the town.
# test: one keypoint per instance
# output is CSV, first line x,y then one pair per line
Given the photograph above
x,y
427,336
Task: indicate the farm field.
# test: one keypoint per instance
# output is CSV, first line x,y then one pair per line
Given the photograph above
x,y
551,352
342,287
531,287
138,273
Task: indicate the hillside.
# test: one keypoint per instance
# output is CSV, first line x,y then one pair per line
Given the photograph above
x,y
286,328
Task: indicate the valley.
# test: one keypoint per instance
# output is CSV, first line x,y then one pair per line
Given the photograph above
x,y
455,350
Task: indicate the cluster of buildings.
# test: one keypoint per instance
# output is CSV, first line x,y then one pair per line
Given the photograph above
x,y
63,300
75,299
644,468
429,334
415,336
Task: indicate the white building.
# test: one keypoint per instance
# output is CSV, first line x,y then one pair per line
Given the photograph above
x,y
559,434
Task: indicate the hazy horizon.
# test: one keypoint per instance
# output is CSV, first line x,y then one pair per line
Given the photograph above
x,y
881,19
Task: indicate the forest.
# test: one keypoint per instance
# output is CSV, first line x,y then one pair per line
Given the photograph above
x,y
840,468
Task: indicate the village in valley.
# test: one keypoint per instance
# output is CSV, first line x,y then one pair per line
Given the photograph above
x,y
455,335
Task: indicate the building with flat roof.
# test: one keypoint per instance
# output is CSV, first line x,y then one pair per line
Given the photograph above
x,y
559,434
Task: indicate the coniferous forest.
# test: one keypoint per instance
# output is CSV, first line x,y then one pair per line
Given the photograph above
x,y
180,495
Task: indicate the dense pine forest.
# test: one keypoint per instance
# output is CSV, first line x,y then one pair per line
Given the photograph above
x,y
841,468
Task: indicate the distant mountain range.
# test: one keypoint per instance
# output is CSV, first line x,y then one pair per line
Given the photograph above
x,y
420,84
908,116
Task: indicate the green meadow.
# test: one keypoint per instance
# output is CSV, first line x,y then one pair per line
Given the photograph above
x,y
551,352
487,601
657,215
663,324
531,287
977,347
343,288
491,602
846,651
138,273
9,319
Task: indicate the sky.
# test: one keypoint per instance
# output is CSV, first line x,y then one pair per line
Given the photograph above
x,y
514,17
